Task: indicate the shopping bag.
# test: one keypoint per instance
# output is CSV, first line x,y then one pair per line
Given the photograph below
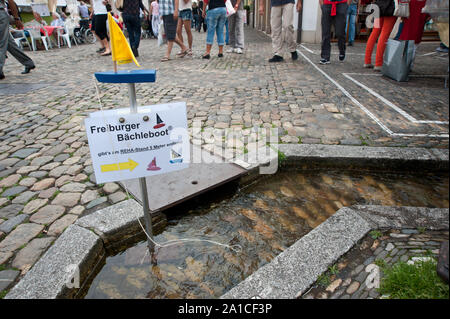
x,y
397,60
162,39
230,9
401,8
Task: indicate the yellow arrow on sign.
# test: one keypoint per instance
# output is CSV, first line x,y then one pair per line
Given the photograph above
x,y
131,165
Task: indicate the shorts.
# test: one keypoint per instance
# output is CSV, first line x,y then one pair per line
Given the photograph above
x,y
100,25
170,27
185,15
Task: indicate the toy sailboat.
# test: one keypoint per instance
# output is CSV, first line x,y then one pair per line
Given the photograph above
x,y
175,157
159,122
152,166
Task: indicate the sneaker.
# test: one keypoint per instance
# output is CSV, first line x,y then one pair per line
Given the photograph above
x,y
324,61
101,50
238,51
342,57
377,68
294,55
276,58
368,66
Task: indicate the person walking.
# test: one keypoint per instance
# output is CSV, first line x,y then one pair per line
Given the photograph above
x,y
7,42
131,19
333,12
195,15
155,17
236,22
281,21
185,18
201,19
381,30
215,18
350,26
168,9
99,15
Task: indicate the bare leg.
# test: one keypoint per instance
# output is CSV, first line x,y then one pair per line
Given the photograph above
x,y
220,49
187,27
169,48
105,44
208,49
180,29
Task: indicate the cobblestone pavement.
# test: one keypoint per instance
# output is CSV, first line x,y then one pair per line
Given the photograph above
x,y
353,275
46,174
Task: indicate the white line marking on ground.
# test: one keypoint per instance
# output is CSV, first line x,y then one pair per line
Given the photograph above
x,y
364,109
309,50
392,105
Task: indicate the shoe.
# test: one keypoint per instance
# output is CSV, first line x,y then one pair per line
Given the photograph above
x,y
294,55
182,54
324,61
220,55
28,69
101,50
276,58
2,76
105,54
377,68
350,44
238,51
135,52
189,53
368,66
206,56
342,57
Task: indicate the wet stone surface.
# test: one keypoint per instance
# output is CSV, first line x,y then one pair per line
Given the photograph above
x,y
352,276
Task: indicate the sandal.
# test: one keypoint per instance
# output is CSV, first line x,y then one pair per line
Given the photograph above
x,y
182,54
105,54
164,59
206,56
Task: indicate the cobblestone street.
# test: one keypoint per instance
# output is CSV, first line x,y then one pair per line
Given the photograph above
x,y
46,174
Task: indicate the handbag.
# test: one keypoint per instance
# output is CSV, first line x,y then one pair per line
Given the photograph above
x,y
401,8
397,60
230,9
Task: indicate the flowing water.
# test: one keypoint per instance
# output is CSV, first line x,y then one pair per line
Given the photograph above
x,y
264,219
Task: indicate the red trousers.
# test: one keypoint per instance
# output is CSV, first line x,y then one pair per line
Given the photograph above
x,y
381,31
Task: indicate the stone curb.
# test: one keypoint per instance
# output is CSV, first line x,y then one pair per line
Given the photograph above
x,y
77,249
85,243
292,272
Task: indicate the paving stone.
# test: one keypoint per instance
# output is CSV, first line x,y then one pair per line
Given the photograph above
x,y
89,196
28,255
48,193
13,191
389,247
117,197
24,197
42,160
58,226
7,278
25,152
77,210
34,205
96,202
409,231
334,285
353,287
8,226
73,187
10,210
38,174
47,215
20,236
44,184
110,188
28,181
5,256
67,199
10,180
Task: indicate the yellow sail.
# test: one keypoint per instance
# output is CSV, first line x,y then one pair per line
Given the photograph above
x,y
121,50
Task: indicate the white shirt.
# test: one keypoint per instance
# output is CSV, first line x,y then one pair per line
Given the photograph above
x,y
184,6
99,7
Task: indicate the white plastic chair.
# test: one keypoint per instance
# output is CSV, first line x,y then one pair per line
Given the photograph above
x,y
35,35
20,38
67,34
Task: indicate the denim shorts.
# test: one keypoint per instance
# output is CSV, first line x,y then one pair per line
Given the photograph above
x,y
185,15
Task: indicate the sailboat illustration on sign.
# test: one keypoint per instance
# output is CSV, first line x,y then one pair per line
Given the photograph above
x,y
159,122
152,166
175,157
